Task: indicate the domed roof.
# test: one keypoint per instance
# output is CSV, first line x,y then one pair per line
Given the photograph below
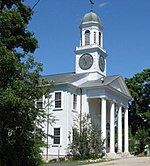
x,y
91,17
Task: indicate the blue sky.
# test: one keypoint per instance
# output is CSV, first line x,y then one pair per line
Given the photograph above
x,y
126,34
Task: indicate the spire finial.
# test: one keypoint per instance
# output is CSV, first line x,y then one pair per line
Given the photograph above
x,y
92,3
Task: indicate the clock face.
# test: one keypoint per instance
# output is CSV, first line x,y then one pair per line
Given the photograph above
x,y
85,61
102,63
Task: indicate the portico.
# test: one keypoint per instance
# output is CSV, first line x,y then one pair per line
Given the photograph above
x,y
108,122
108,107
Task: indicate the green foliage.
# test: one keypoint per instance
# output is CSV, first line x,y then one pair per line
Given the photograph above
x,y
21,135
87,142
142,140
139,107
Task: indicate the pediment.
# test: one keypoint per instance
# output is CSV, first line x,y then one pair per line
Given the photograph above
x,y
119,85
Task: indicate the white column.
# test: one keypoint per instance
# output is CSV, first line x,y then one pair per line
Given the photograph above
x,y
126,144
112,129
120,129
103,120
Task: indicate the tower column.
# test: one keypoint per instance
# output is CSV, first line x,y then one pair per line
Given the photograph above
x,y
112,129
120,129
126,144
103,120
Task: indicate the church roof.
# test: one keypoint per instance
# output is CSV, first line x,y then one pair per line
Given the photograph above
x,y
64,78
72,77
114,82
100,82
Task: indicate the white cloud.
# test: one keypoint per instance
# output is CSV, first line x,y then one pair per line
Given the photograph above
x,y
103,4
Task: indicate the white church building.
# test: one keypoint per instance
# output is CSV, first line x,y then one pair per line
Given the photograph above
x,y
89,90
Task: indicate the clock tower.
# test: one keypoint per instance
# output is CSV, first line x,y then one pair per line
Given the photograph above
x,y
90,55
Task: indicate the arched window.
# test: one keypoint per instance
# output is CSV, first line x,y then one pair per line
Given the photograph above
x,y
94,37
99,38
80,39
87,37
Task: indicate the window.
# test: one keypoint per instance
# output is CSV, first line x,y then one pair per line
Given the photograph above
x,y
87,37
74,101
81,39
75,135
39,104
99,38
94,37
58,100
56,136
74,132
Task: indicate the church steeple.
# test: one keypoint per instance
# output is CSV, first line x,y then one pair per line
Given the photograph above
x,y
90,55
91,30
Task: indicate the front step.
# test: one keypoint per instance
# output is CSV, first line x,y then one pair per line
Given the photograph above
x,y
118,155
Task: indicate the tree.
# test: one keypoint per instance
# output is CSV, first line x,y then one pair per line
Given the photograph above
x,y
87,142
139,114
20,143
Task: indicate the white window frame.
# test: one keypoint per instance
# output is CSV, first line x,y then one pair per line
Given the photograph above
x,y
59,100
57,136
60,136
87,37
40,106
74,101
94,37
100,41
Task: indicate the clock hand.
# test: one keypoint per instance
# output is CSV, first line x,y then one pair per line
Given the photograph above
x,y
85,62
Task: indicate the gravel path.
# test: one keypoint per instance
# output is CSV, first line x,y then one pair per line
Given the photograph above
x,y
133,161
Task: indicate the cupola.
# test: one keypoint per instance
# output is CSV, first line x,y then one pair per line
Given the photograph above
x,y
91,17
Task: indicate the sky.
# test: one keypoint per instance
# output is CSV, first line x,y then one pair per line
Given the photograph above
x,y
55,24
